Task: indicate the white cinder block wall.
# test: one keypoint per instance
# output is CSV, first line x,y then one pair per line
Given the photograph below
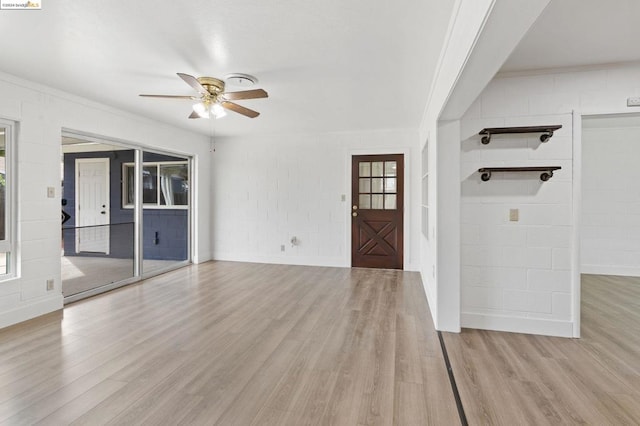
x,y
267,189
522,276
610,238
41,114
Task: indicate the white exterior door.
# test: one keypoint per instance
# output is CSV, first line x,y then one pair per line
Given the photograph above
x,y
92,205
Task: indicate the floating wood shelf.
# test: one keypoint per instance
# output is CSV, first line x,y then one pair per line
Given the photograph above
x,y
546,130
547,171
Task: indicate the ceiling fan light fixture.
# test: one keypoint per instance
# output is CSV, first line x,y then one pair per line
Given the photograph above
x,y
201,109
212,100
218,111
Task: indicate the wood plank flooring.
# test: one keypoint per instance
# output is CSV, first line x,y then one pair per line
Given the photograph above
x,y
82,273
234,344
518,379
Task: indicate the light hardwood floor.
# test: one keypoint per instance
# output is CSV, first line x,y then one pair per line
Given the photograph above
x,y
82,273
518,379
234,344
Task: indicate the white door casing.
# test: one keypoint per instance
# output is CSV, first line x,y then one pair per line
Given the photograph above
x,y
92,205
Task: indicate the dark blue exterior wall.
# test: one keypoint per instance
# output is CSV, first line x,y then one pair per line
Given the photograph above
x,y
171,225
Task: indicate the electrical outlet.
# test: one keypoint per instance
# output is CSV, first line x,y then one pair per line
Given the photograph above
x,y
514,215
51,192
50,285
282,247
633,101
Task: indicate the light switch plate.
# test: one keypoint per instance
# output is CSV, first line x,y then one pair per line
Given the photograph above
x,y
51,192
514,215
633,101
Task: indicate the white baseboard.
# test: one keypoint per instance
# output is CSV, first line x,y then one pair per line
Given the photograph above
x,y
338,262
623,271
411,267
283,260
517,324
203,257
27,311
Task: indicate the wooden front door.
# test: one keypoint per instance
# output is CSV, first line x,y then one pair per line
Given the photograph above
x,y
376,211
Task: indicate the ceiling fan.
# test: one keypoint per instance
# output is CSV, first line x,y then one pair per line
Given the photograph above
x,y
213,100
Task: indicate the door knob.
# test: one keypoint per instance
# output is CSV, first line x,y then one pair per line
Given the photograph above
x,y
354,214
355,207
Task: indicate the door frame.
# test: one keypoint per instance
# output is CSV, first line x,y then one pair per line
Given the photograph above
x,y
406,214
107,163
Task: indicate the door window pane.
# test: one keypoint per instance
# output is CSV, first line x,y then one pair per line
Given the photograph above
x,y
365,201
390,168
390,185
365,185
377,168
376,201
365,169
376,185
390,201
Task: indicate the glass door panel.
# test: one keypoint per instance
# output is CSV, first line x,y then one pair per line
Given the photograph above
x,y
165,216
97,225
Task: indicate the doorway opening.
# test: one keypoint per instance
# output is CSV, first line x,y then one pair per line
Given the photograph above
x,y
610,229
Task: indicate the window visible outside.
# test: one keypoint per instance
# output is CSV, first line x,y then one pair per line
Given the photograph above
x,y
164,185
6,134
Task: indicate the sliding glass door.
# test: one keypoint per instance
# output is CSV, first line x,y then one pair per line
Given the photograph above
x,y
165,219
125,215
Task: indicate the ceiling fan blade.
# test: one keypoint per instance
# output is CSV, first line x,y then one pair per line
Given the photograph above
x,y
247,94
194,115
169,96
240,109
193,82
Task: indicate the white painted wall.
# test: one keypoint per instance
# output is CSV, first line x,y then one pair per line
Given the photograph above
x,y
269,188
610,237
481,35
42,113
466,23
523,276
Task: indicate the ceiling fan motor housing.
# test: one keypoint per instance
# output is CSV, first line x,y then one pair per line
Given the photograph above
x,y
213,85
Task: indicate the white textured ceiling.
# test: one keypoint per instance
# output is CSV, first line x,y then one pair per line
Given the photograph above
x,y
328,65
573,33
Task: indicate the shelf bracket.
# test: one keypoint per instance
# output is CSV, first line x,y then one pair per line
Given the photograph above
x,y
546,136
545,176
